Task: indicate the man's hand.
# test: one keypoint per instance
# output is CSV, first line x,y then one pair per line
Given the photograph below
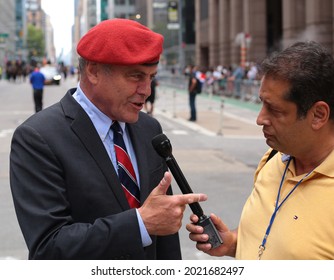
x,y
229,237
162,214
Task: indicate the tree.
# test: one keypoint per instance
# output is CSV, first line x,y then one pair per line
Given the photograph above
x,y
35,43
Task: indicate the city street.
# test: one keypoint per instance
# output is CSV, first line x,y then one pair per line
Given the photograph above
x,y
218,154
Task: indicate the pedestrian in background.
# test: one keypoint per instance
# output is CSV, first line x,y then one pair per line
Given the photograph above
x,y
37,80
85,178
194,88
289,214
237,77
149,102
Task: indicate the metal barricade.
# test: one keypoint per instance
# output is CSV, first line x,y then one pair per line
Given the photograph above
x,y
246,90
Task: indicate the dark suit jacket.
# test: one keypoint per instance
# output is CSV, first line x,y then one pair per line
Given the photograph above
x,y
67,195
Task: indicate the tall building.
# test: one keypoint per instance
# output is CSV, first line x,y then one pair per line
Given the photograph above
x,y
103,10
7,30
12,30
36,16
85,17
230,32
175,20
50,50
122,9
20,30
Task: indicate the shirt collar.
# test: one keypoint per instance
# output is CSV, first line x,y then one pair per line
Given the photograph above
x,y
101,122
325,168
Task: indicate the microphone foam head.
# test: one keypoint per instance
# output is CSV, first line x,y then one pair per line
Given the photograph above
x,y
162,145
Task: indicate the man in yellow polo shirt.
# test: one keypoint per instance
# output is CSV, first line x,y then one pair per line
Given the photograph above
x,y
290,213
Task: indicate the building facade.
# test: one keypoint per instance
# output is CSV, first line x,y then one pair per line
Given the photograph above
x,y
232,32
7,30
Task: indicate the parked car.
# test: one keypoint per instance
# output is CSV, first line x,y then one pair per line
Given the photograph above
x,y
52,75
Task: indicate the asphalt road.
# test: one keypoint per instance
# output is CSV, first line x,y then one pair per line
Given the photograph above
x,y
218,154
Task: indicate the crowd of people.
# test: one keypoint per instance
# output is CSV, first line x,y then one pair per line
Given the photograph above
x,y
18,70
230,81
239,82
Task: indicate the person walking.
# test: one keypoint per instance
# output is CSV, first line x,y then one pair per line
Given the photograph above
x,y
85,178
37,80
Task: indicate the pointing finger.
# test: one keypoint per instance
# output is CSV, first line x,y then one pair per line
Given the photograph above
x,y
192,197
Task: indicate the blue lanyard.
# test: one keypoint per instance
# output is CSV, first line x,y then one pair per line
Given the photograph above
x,y
278,205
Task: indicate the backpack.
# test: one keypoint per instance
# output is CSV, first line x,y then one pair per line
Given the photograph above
x,y
199,86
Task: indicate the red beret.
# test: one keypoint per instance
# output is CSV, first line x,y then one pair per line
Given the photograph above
x,y
122,42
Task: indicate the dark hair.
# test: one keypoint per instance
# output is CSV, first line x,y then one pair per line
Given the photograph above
x,y
309,69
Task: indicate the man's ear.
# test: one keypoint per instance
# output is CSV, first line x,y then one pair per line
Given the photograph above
x,y
320,112
92,72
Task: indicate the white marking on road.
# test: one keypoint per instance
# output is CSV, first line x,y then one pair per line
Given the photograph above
x,y
6,132
7,258
179,132
188,124
10,113
234,116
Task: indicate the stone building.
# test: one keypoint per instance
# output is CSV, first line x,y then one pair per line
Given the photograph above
x,y
230,32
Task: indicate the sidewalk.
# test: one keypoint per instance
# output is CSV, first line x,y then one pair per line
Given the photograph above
x,y
215,116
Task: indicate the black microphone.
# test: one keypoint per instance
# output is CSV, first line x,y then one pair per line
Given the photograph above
x,y
163,147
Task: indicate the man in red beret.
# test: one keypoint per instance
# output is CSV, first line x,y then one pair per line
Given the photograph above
x,y
85,178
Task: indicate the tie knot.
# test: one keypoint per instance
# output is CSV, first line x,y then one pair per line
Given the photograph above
x,y
116,127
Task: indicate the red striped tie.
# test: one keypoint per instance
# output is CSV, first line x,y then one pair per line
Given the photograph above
x,y
126,173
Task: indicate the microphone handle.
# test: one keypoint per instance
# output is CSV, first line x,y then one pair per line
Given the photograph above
x,y
183,184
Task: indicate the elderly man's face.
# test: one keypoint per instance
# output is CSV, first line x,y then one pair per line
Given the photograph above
x,y
120,91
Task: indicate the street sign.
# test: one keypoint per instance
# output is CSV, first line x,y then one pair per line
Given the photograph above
x,y
173,13
4,35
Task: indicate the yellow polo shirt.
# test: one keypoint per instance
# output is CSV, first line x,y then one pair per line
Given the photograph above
x,y
304,225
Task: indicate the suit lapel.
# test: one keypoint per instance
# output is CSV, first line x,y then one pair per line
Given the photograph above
x,y
85,130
